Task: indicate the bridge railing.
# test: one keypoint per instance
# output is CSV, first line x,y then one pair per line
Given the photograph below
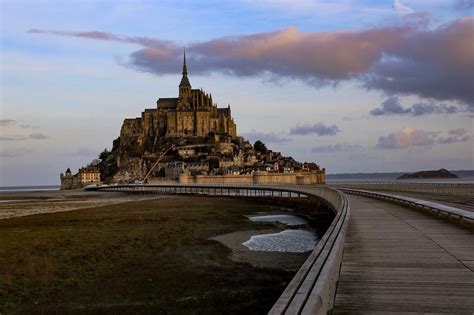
x,y
437,188
460,216
312,289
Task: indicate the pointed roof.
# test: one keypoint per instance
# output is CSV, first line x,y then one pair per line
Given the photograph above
x,y
184,79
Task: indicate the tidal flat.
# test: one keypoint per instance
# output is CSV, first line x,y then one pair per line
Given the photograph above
x,y
135,257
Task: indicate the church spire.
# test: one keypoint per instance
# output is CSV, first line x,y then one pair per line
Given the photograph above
x,y
185,69
184,79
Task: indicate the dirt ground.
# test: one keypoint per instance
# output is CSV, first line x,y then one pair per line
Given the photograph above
x,y
128,255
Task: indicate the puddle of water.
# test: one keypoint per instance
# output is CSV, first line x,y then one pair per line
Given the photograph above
x,y
280,218
291,241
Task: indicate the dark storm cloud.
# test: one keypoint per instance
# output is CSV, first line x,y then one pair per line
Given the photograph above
x,y
320,129
392,106
432,64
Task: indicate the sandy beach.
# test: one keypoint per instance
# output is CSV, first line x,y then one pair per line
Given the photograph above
x,y
22,203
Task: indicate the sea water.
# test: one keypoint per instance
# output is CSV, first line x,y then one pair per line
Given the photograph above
x,y
292,241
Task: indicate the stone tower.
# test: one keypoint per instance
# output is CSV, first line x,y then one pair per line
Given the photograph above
x,y
184,86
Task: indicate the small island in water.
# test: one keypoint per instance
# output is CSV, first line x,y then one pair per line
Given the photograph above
x,y
441,173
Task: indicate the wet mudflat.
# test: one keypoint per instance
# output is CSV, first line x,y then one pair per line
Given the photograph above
x,y
149,256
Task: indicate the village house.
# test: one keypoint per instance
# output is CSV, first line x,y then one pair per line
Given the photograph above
x,y
85,176
173,170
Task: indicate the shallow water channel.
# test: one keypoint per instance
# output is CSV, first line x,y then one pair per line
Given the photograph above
x,y
298,240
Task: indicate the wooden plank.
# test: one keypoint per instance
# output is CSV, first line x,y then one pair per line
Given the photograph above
x,y
400,260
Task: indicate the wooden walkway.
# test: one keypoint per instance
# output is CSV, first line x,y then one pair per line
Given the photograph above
x,y
399,260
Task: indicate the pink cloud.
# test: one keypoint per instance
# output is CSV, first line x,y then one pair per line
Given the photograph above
x,y
409,137
432,64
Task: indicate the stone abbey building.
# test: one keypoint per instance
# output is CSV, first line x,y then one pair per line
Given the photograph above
x,y
192,113
188,139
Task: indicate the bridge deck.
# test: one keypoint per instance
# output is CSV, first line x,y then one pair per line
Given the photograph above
x,y
400,260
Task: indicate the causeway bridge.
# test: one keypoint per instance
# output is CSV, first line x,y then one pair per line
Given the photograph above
x,y
385,251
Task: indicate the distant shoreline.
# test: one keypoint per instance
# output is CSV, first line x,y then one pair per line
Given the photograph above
x,y
28,188
462,174
465,176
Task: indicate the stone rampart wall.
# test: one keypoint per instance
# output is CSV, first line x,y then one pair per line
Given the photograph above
x,y
259,178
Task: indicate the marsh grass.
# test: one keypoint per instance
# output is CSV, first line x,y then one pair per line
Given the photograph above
x,y
151,256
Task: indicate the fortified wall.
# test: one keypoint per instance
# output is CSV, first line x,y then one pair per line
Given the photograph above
x,y
259,178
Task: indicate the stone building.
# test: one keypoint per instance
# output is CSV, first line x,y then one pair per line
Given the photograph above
x,y
86,176
192,113
89,175
67,179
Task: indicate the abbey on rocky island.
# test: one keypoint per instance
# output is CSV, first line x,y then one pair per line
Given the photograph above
x,y
192,113
188,139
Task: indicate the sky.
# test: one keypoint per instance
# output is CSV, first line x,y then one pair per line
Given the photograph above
x,y
353,85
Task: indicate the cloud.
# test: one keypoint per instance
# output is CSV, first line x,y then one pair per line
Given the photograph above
x,y
389,106
7,122
455,135
400,7
464,4
338,147
320,129
270,137
392,106
406,138
13,122
306,6
83,152
420,109
409,59
458,132
12,138
140,40
15,153
26,126
310,56
432,64
409,137
38,136
35,136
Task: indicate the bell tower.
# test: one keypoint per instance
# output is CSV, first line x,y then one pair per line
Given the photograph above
x,y
184,86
